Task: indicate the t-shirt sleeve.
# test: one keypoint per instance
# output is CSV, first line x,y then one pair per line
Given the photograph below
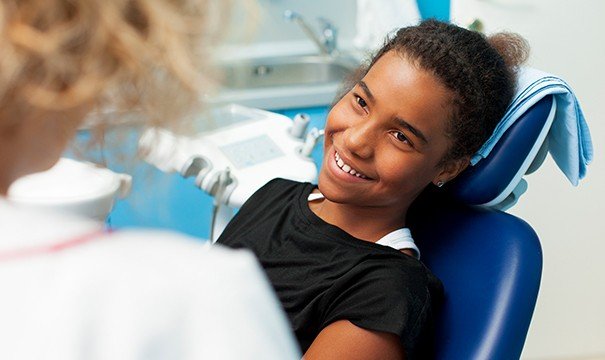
x,y
261,205
273,190
393,299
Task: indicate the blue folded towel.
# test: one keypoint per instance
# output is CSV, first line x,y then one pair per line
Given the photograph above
x,y
569,140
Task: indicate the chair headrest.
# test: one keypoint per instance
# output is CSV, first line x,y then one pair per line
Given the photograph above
x,y
497,181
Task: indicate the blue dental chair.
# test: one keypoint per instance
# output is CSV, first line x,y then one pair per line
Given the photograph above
x,y
490,262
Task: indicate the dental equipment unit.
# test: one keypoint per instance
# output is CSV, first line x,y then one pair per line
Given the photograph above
x,y
235,151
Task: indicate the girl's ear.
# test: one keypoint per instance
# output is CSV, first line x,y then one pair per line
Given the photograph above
x,y
450,170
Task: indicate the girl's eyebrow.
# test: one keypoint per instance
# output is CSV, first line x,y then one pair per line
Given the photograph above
x,y
366,90
404,124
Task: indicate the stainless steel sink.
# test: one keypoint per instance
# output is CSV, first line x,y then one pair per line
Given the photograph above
x,y
283,82
287,71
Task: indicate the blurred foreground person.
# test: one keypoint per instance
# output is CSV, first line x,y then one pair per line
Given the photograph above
x,y
70,289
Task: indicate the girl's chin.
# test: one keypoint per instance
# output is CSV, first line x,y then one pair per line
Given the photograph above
x,y
331,190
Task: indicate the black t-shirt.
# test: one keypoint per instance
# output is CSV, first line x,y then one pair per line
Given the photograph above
x,y
322,274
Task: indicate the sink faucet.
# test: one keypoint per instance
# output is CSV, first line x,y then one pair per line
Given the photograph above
x,y
326,41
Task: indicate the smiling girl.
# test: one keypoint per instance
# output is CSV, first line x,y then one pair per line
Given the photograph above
x,y
338,254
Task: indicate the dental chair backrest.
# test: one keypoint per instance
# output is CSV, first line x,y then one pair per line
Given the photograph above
x,y
490,262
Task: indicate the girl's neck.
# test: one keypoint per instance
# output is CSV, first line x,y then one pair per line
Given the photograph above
x,y
367,223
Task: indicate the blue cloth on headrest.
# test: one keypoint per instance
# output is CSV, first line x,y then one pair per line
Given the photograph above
x,y
569,141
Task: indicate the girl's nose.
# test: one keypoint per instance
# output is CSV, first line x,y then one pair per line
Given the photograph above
x,y
359,139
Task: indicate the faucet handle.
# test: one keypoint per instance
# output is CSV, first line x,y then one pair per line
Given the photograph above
x,y
325,23
290,15
327,42
329,33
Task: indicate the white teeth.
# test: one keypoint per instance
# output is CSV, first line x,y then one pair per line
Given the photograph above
x,y
347,168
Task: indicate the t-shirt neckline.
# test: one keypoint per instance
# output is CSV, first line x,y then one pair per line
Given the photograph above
x,y
325,228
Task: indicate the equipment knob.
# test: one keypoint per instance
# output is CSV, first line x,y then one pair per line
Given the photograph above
x,y
299,125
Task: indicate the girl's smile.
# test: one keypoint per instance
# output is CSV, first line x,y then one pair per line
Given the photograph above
x,y
347,172
346,168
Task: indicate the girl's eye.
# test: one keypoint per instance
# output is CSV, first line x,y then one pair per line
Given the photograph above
x,y
401,137
360,101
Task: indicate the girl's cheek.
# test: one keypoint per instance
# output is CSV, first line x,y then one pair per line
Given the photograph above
x,y
338,117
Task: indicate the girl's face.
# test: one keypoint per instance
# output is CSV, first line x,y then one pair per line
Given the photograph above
x,y
385,138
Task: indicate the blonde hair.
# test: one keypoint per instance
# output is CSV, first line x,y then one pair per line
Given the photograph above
x,y
148,55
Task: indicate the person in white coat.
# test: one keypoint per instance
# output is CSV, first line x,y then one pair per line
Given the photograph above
x,y
69,288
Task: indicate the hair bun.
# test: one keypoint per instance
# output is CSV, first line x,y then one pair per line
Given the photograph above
x,y
513,48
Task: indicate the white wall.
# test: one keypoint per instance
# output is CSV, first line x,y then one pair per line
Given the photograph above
x,y
566,39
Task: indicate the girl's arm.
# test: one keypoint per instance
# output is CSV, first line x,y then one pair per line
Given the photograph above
x,y
343,340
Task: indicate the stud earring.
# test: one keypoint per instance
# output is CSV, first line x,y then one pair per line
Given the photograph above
x,y
440,183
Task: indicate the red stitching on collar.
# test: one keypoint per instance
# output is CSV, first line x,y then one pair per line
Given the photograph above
x,y
15,254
